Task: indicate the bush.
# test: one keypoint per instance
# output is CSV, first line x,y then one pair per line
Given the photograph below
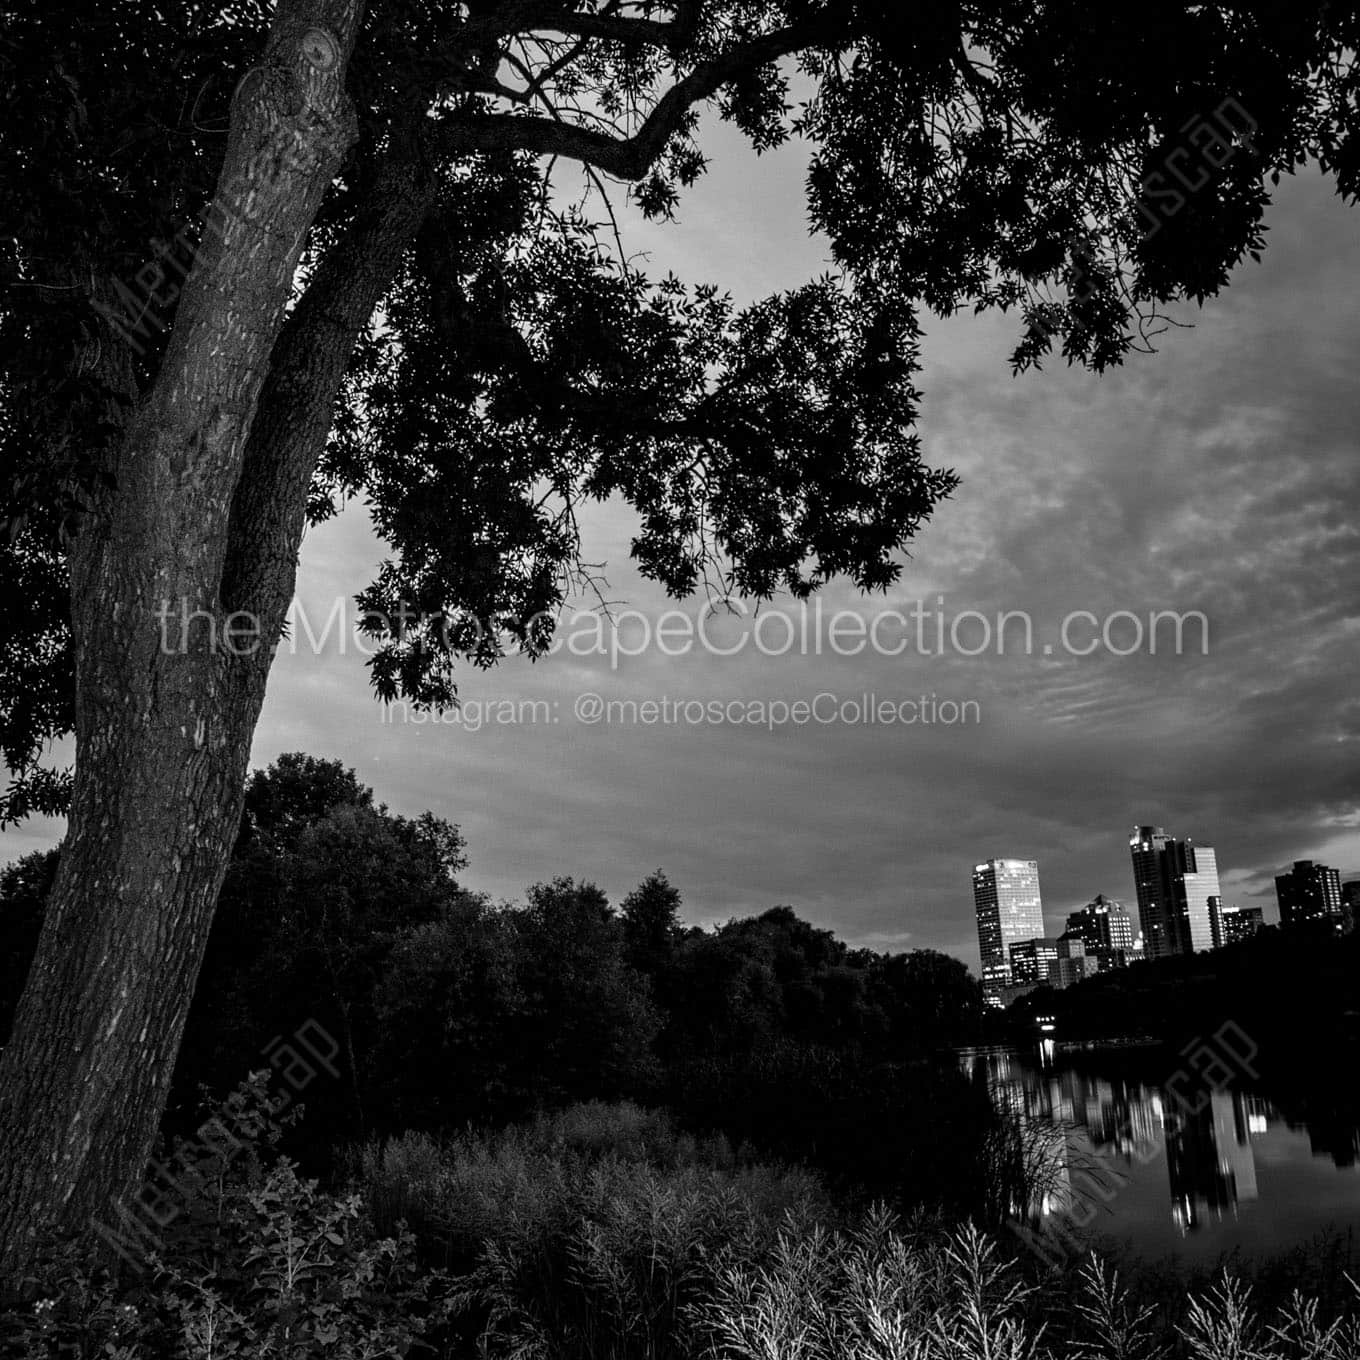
x,y
589,1233
253,1261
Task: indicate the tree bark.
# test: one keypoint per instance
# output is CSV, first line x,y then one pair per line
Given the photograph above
x,y
167,696
212,477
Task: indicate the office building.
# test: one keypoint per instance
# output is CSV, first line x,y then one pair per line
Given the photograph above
x,y
1241,923
1310,896
1178,894
1350,904
1009,910
1030,961
1073,964
1105,927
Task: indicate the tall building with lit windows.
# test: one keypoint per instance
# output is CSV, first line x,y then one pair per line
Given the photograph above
x,y
1350,905
1009,910
1106,929
1241,923
1179,899
1310,895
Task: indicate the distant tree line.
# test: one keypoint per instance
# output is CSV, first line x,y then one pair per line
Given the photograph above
x,y
1294,992
452,1010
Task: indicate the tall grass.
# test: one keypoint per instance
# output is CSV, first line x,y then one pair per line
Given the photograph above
x,y
589,1233
883,1292
604,1234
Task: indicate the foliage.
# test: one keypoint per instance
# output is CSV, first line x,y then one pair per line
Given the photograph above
x,y
450,1010
879,1291
761,980
296,1274
606,1233
253,1261
588,1234
459,1189
24,886
1280,987
872,1292
652,929
490,1013
1015,156
321,887
587,1013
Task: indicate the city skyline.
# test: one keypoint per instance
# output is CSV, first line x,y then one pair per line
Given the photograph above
x,y
1179,904
1057,913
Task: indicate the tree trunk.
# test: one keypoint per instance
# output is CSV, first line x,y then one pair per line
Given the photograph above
x,y
167,696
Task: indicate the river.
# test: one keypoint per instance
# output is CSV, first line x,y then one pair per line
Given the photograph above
x,y
1132,1157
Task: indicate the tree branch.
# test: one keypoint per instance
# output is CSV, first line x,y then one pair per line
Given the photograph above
x,y
530,15
633,157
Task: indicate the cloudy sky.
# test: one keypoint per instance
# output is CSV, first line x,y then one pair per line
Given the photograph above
x,y
1219,475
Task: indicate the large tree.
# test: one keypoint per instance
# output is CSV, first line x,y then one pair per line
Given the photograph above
x,y
203,209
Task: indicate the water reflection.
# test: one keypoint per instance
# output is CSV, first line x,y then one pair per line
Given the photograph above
x,y
1164,1166
1209,1159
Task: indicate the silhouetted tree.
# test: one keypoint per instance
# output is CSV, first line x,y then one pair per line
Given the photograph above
x,y
164,442
322,885
651,925
295,791
587,1018
447,1011
929,999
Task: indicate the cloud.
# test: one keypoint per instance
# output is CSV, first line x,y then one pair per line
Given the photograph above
x,y
1219,475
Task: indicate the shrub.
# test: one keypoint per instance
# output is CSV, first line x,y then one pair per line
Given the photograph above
x,y
295,1272
456,1192
254,1261
588,1233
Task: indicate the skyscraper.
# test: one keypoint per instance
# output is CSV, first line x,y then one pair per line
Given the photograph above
x,y
1178,893
1030,961
1105,928
1009,910
1350,904
1241,923
1309,894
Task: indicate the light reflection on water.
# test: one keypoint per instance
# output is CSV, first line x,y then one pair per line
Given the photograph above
x,y
1118,1158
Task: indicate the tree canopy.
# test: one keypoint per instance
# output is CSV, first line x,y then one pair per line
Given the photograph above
x,y
447,1008
1084,168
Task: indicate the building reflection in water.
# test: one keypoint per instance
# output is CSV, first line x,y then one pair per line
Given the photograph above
x,y
1086,1135
1209,1158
